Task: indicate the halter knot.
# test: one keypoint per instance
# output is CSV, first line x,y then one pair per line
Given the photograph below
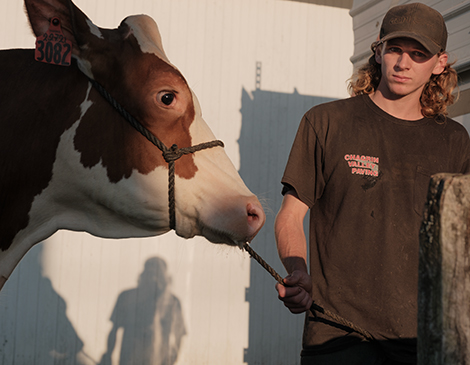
x,y
172,154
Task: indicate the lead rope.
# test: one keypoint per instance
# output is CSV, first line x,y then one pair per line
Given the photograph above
x,y
169,154
174,153
314,307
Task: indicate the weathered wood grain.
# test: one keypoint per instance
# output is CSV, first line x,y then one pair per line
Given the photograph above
x,y
444,273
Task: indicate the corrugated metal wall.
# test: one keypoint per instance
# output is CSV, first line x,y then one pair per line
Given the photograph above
x,y
256,66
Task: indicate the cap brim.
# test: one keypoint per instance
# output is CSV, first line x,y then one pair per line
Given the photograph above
x,y
432,47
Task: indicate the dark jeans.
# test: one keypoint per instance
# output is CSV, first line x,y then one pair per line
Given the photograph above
x,y
364,353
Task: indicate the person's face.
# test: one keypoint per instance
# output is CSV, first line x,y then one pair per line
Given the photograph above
x,y
406,67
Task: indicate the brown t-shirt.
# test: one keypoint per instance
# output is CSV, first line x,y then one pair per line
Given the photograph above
x,y
364,174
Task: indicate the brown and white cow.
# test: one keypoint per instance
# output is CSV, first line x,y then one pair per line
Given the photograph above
x,y
68,160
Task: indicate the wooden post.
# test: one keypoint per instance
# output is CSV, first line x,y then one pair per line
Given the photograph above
x,y
444,273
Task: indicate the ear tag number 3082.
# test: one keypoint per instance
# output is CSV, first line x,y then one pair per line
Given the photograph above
x,y
52,47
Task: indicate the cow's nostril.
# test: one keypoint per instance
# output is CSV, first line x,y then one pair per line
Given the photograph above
x,y
252,213
255,216
252,217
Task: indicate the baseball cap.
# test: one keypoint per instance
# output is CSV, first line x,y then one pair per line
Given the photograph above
x,y
416,21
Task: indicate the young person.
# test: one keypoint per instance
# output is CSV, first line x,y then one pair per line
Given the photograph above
x,y
362,167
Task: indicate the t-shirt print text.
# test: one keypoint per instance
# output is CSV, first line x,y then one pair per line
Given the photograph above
x,y
363,165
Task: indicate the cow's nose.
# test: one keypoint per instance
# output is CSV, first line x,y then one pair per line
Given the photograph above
x,y
256,218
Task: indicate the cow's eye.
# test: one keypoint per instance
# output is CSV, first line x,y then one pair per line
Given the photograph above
x,y
167,98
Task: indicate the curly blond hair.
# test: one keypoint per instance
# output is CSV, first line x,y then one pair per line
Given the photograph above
x,y
435,98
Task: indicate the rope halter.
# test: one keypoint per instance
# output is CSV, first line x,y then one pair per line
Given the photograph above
x,y
170,155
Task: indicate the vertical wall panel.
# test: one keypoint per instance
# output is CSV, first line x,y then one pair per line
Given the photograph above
x,y
57,306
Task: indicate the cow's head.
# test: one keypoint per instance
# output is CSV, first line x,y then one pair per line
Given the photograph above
x,y
115,179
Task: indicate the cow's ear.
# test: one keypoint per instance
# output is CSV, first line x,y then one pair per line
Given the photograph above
x,y
73,21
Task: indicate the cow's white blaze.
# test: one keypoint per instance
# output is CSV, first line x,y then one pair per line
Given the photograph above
x,y
216,197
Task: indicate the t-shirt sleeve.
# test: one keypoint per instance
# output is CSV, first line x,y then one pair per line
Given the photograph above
x,y
466,155
304,169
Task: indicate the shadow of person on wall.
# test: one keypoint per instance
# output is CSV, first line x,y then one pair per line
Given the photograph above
x,y
151,319
34,326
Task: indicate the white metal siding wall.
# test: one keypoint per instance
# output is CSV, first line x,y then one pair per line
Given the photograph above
x,y
58,303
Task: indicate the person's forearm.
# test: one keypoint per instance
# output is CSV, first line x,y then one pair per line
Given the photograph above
x,y
296,289
291,242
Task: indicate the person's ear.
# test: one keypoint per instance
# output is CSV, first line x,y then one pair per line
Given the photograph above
x,y
441,64
378,54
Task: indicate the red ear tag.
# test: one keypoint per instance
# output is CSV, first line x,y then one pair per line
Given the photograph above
x,y
52,47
